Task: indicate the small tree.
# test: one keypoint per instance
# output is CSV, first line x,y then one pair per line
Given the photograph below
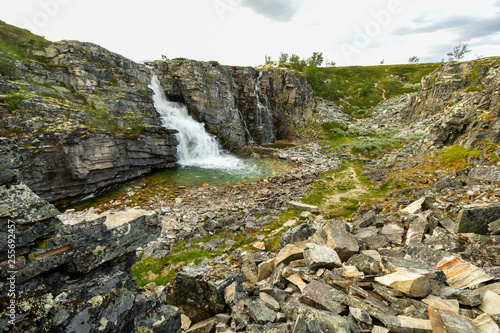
x,y
316,59
268,59
458,52
283,57
413,60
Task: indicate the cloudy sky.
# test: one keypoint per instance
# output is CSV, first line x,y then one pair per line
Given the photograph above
x,y
243,32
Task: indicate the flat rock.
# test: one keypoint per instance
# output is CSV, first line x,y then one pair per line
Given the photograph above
x,y
269,301
265,269
323,297
364,263
460,275
449,322
288,253
360,315
300,206
491,303
463,296
318,256
414,207
411,283
416,231
442,304
485,324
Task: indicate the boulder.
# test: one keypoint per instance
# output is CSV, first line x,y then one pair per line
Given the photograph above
x,y
475,219
297,234
318,256
335,235
258,311
199,289
321,296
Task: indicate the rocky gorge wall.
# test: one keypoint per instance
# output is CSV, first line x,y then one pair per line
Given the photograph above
x,y
241,105
72,273
462,102
82,118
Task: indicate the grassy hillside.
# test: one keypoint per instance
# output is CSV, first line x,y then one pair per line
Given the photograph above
x,y
359,88
16,43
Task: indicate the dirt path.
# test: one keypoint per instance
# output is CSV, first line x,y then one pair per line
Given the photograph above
x,y
356,189
383,91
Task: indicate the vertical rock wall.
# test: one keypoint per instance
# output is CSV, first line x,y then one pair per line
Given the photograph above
x,y
224,98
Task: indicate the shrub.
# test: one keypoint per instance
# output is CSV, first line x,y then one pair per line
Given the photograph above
x,y
14,99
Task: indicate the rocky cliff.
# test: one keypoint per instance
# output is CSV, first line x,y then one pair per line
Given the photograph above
x,y
72,273
81,117
241,105
462,103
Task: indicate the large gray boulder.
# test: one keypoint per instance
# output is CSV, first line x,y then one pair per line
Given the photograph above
x,y
199,289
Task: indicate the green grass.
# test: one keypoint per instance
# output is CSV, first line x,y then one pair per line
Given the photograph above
x,y
456,157
354,87
158,271
17,43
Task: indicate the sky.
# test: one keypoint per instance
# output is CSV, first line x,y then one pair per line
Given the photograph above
x,y
244,32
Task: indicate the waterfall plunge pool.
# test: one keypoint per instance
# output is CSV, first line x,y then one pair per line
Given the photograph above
x,y
163,185
201,158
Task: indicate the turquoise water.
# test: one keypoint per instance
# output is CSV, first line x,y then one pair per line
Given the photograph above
x,y
163,185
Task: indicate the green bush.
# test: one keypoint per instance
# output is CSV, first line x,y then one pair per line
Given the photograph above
x,y
7,66
14,99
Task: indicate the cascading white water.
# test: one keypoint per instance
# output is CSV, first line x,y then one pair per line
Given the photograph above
x,y
265,117
196,147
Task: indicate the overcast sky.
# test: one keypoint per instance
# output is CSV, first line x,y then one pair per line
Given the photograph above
x,y
243,32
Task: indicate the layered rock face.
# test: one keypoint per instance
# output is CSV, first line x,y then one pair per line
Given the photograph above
x,y
82,118
241,105
463,101
71,273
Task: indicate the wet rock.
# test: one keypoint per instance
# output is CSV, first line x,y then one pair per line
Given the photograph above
x,y
317,256
476,219
199,289
297,234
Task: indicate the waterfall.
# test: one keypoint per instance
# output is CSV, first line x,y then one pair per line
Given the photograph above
x,y
196,147
265,123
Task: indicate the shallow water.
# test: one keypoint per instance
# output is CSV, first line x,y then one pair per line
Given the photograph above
x,y
164,184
